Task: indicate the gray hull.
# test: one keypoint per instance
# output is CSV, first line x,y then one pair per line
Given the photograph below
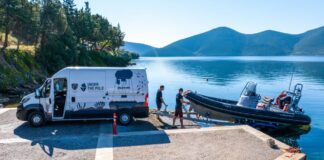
x,y
203,111
223,109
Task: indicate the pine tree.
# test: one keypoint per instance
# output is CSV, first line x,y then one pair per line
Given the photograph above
x,y
23,26
70,12
9,14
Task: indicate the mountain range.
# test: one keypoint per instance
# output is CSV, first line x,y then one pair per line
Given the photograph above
x,y
224,41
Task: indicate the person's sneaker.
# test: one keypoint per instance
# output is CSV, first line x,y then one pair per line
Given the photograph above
x,y
182,127
174,127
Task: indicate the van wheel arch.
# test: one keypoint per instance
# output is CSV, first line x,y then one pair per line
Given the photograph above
x,y
124,117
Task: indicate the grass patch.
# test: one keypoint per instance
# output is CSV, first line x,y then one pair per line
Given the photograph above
x,y
25,70
12,44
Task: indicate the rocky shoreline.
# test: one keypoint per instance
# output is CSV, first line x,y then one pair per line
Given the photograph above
x,y
14,95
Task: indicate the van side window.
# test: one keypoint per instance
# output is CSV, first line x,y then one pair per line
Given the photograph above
x,y
60,86
46,89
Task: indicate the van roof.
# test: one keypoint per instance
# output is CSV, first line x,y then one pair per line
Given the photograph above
x,y
63,71
98,68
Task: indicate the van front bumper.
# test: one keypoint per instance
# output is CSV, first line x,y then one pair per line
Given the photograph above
x,y
21,113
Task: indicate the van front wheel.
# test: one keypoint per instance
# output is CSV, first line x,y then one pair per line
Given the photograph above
x,y
124,118
36,119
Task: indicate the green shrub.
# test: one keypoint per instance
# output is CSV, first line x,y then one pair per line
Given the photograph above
x,y
9,78
24,70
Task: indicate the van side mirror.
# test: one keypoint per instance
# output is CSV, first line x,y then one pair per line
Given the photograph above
x,y
37,93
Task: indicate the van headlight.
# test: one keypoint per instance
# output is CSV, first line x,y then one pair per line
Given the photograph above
x,y
24,100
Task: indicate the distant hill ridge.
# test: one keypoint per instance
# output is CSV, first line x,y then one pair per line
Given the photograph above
x,y
224,41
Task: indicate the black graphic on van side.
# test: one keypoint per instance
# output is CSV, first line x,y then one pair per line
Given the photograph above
x,y
123,75
79,106
94,86
99,105
74,86
83,87
141,83
96,106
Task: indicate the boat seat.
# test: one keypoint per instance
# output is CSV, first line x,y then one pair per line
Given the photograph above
x,y
267,103
267,100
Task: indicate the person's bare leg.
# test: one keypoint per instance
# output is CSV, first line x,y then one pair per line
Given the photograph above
x,y
181,122
190,108
174,119
157,113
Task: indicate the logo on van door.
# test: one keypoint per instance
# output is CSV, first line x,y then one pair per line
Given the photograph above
x,y
91,86
83,87
74,86
95,86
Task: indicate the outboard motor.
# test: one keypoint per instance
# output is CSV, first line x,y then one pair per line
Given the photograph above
x,y
248,97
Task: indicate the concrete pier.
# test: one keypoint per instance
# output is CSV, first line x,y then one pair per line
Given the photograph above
x,y
226,141
145,139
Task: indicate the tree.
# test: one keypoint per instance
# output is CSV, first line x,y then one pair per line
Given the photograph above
x,y
53,25
62,34
70,12
100,31
24,28
10,9
84,26
116,38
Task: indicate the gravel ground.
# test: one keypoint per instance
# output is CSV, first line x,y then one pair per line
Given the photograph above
x,y
223,145
59,140
8,117
78,140
51,149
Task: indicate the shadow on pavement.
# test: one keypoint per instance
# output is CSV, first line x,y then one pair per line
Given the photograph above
x,y
57,129
140,140
78,135
63,135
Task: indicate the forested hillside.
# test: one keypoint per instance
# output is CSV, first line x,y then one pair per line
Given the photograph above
x,y
39,37
224,41
138,48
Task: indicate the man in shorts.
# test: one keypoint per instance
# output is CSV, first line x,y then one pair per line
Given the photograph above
x,y
159,98
178,108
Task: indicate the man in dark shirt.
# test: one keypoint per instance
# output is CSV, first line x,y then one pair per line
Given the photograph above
x,y
159,98
178,108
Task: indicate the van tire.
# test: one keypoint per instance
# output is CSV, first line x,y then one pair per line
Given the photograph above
x,y
36,119
124,118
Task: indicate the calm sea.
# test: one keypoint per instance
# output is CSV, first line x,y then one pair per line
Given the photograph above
x,y
225,77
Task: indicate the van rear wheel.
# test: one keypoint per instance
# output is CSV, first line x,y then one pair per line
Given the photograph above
x,y
36,119
124,118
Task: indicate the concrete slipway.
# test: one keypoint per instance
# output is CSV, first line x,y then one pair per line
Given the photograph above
x,y
144,139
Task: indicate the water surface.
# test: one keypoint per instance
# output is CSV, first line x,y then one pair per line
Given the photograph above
x,y
225,77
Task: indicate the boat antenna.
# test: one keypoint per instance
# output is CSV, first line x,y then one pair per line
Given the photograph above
x,y
291,78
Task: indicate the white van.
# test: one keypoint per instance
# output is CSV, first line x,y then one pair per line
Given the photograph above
x,y
88,93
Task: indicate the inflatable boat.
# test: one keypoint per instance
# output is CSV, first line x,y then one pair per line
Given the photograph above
x,y
249,108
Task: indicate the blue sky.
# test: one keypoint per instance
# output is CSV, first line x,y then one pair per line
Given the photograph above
x,y
160,22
